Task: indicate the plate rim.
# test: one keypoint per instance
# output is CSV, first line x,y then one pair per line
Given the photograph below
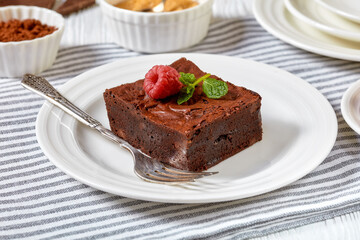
x,y
282,35
337,11
40,121
341,33
345,106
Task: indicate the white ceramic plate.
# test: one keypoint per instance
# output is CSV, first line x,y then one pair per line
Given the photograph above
x,y
275,18
319,17
295,116
349,9
350,106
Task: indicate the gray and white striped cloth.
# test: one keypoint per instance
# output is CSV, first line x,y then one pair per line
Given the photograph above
x,y
38,201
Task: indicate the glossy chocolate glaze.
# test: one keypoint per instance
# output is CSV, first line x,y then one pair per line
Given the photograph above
x,y
190,115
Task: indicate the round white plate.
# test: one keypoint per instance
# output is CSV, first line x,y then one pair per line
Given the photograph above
x,y
295,116
349,9
350,106
319,17
275,18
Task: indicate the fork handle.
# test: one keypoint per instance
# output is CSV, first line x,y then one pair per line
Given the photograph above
x,y
43,88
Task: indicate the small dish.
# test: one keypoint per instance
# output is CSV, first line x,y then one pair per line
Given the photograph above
x,y
157,32
30,56
274,17
349,9
350,106
315,15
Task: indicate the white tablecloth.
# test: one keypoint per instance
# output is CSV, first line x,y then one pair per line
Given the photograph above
x,y
342,227
39,201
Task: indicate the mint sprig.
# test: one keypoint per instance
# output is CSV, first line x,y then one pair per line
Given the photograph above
x,y
212,88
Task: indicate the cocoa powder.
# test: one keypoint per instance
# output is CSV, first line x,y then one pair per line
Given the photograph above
x,y
19,30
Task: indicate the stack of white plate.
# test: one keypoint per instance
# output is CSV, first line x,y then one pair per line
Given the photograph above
x,y
326,27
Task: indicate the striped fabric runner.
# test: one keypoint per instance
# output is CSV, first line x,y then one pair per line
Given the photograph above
x,y
38,201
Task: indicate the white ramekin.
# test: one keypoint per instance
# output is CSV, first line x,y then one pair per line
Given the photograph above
x,y
30,56
157,32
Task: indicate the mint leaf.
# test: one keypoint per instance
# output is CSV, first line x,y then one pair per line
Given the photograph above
x,y
211,87
185,94
214,88
187,78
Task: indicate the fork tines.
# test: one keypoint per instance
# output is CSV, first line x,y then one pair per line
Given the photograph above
x,y
167,174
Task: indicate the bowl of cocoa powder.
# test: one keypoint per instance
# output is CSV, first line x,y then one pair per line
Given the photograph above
x,y
29,39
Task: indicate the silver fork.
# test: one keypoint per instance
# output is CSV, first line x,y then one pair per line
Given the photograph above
x,y
145,167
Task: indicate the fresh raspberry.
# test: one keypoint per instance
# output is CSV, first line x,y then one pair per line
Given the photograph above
x,y
162,81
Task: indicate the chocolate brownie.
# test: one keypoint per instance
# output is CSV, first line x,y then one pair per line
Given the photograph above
x,y
71,6
193,136
40,3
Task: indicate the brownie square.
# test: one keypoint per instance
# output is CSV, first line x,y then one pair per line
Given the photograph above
x,y
195,135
